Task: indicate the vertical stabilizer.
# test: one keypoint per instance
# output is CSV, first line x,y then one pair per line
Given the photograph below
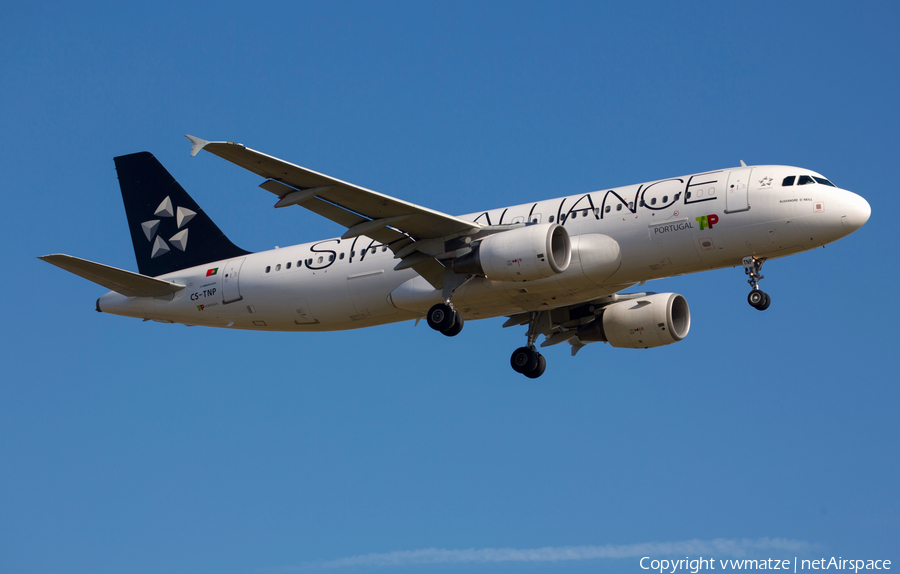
x,y
169,230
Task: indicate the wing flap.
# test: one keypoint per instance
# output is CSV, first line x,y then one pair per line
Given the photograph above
x,y
121,281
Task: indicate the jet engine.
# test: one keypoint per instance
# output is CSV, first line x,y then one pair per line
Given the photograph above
x,y
650,321
522,254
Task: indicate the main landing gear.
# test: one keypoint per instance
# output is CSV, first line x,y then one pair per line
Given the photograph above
x,y
445,318
527,360
757,299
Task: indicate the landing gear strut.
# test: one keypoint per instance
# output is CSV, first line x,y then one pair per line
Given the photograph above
x,y
445,318
527,360
757,298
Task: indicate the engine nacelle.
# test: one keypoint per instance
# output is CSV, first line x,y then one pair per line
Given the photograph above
x,y
522,254
650,321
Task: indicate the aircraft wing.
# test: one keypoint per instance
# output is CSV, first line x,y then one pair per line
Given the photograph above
x,y
362,211
561,324
394,222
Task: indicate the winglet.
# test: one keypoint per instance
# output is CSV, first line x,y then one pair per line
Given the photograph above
x,y
197,144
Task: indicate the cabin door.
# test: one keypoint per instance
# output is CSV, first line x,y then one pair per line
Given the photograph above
x,y
231,290
736,198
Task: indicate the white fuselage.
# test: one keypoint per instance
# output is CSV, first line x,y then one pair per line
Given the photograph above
x,y
664,228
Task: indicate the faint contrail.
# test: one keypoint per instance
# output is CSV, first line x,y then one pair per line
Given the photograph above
x,y
719,547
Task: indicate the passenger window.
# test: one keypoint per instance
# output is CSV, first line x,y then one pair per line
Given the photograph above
x,y
320,259
331,257
653,201
278,267
309,262
268,268
596,211
677,195
665,199
300,263
574,214
643,203
384,248
805,180
788,181
619,207
608,208
631,205
342,256
584,213
374,249
551,219
288,266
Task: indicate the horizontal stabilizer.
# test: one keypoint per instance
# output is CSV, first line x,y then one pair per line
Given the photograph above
x,y
121,281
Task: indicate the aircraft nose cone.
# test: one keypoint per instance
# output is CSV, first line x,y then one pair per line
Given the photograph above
x,y
855,211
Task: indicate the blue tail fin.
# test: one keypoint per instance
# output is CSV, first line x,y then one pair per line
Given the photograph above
x,y
169,230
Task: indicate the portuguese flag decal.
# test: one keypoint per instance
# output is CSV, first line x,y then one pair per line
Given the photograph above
x,y
211,272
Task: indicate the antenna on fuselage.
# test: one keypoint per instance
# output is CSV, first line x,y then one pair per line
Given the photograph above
x,y
743,164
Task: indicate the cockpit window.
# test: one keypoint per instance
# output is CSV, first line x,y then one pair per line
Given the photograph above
x,y
823,181
788,181
805,180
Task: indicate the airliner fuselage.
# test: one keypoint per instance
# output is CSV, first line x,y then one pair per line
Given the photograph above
x,y
670,227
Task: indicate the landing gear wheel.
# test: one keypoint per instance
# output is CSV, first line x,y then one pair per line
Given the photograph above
x,y
538,369
752,268
525,360
755,298
759,300
457,325
441,317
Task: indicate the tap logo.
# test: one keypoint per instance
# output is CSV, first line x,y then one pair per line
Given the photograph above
x,y
707,221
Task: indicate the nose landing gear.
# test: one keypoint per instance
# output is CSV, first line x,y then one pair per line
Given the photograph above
x,y
757,298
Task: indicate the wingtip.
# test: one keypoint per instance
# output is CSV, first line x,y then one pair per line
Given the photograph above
x,y
197,144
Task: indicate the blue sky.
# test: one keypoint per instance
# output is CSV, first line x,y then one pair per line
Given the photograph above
x,y
141,447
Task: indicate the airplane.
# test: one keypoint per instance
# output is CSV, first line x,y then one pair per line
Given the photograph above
x,y
559,266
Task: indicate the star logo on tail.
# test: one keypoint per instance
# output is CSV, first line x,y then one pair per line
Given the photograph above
x,y
182,216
